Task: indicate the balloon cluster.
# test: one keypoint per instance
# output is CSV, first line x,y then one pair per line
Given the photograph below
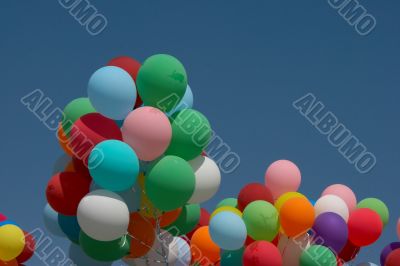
x,y
135,173
272,224
16,245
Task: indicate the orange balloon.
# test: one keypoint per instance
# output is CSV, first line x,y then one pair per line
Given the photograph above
x,y
296,216
204,251
9,263
168,218
142,232
63,140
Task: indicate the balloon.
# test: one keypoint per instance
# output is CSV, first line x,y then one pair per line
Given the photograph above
x,y
28,250
376,205
343,192
204,250
317,255
203,221
168,192
63,140
226,208
349,252
117,168
161,82
50,217
103,215
262,253
148,131
231,202
65,191
285,197
253,192
90,130
167,218
72,112
191,133
104,250
142,233
330,230
78,256
282,176
69,225
262,221
185,103
112,92
12,242
365,227
187,220
232,257
184,255
80,167
394,258
387,250
228,231
332,203
292,248
296,216
208,179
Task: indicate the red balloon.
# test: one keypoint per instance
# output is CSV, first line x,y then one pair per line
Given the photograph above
x,y
393,259
65,191
365,227
349,252
262,253
2,217
253,192
29,248
80,167
204,221
131,66
88,131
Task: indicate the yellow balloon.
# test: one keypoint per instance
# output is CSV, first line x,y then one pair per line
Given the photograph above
x,y
12,242
285,197
226,209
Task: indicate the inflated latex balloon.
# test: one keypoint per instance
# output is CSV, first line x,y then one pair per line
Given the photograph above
x,y
29,249
204,250
228,209
317,255
262,220
332,203
203,221
12,242
167,218
112,92
69,225
78,256
253,192
187,220
148,131
104,250
185,103
170,191
191,133
376,205
393,258
231,202
228,231
65,191
343,192
208,179
118,166
184,255
292,248
50,218
365,227
73,111
285,197
296,216
232,258
387,250
262,253
282,176
103,215
162,82
142,233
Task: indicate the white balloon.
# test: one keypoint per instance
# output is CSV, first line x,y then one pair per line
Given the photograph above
x,y
184,256
331,203
208,179
103,215
292,248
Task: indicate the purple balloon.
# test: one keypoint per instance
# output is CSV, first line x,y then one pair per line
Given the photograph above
x,y
330,230
387,250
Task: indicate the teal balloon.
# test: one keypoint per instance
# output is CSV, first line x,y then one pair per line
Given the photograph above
x,y
69,225
50,218
79,257
114,165
104,250
232,258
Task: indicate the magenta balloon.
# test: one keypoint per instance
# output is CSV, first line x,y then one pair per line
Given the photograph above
x,y
343,192
282,176
387,250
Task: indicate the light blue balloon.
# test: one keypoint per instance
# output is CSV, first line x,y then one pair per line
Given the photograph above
x,y
228,230
50,217
112,92
79,258
114,165
185,103
184,255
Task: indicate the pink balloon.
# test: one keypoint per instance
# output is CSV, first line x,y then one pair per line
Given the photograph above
x,y
148,131
343,192
282,176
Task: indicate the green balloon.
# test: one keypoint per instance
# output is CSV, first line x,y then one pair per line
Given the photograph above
x,y
104,250
376,205
191,133
187,220
262,220
170,183
74,110
232,258
230,202
317,255
161,82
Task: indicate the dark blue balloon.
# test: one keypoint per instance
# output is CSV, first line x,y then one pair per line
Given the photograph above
x,y
69,225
